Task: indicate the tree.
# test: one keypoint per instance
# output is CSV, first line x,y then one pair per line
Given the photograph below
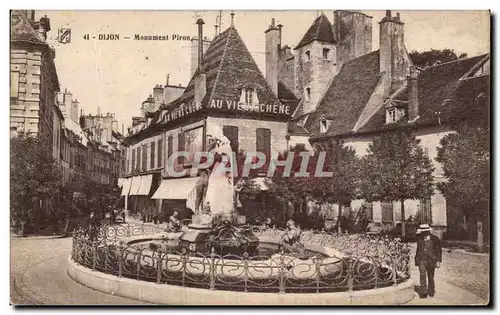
x,y
293,189
341,187
396,169
34,176
338,188
465,158
433,57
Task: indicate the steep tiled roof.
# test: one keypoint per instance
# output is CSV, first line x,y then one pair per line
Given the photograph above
x,y
437,84
22,30
287,97
321,30
295,129
347,95
229,67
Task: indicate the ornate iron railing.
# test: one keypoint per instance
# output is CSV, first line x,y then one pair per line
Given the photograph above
x,y
363,263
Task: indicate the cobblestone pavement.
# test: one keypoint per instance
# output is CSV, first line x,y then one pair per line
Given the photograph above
x,y
38,265
462,270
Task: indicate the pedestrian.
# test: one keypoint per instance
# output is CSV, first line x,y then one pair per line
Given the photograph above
x,y
174,224
427,258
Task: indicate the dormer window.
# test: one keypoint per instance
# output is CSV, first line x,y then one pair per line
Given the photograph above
x,y
326,53
249,97
394,114
324,124
308,55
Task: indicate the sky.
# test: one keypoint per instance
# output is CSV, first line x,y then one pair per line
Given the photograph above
x,y
118,76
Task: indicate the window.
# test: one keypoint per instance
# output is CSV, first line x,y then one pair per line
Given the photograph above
x,y
153,145
326,53
324,124
144,157
232,133
308,93
394,114
169,146
308,55
426,152
300,147
264,141
424,214
387,212
160,153
14,84
248,96
368,209
181,146
138,162
391,115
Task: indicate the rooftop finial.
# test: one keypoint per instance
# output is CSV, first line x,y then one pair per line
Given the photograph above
x,y
168,78
232,18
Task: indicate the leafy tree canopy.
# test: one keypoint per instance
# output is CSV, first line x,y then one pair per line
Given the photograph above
x,y
433,57
465,157
33,174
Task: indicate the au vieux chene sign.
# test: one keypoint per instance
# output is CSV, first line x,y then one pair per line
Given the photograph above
x,y
185,110
259,108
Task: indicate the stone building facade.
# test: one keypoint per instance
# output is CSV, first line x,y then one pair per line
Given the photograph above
x,y
33,77
251,110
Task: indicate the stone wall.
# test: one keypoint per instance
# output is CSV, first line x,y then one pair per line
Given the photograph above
x,y
247,132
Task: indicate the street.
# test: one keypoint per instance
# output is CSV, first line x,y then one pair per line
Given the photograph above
x,y
38,265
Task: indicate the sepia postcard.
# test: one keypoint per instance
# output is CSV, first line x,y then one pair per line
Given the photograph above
x,y
228,157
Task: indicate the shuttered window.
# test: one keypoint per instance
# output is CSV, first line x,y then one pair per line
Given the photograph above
x,y
153,155
144,158
169,146
181,146
264,141
368,208
134,159
160,153
232,133
387,212
138,164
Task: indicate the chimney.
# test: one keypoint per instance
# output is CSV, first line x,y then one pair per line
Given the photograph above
x,y
74,111
413,95
353,32
168,79
67,101
392,53
280,27
200,83
272,56
194,53
159,97
44,27
200,43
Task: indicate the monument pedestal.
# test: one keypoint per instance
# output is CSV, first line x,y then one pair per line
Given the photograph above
x,y
195,238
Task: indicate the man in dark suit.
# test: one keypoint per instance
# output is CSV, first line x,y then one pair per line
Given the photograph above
x,y
427,258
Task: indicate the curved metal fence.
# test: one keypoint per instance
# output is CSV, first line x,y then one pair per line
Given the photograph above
x,y
363,263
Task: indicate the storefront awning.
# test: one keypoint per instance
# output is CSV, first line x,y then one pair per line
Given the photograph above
x,y
261,183
175,188
134,186
145,185
126,186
